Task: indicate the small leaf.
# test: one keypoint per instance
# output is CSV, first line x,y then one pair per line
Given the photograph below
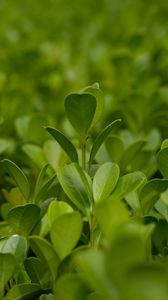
x,y
16,245
105,181
8,266
18,176
24,291
56,209
23,218
80,110
150,193
46,253
100,139
65,233
75,184
162,160
65,143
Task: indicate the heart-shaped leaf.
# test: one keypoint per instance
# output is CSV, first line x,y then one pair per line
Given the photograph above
x,y
65,143
65,233
23,218
18,176
105,181
80,110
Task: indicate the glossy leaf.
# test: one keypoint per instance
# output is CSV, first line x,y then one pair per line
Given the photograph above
x,y
18,176
56,209
16,245
23,218
100,139
65,233
65,143
80,110
46,253
105,181
75,184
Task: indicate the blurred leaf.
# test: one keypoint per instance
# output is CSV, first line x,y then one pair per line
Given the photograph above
x,y
162,160
35,153
24,291
115,147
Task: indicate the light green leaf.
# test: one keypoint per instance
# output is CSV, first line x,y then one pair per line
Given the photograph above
x,y
23,218
80,110
25,291
162,160
65,233
100,139
150,193
18,176
105,181
65,143
35,153
46,253
75,184
16,245
56,209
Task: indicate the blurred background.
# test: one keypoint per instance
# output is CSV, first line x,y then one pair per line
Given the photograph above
x,y
53,47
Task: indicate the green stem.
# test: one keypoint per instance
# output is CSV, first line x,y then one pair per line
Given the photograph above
x,y
91,223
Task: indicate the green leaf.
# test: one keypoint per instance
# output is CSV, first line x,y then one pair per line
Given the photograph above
x,y
105,181
100,139
150,193
25,291
8,266
98,94
162,160
23,218
128,183
65,143
75,184
16,245
56,209
37,272
46,253
65,233
114,147
35,153
80,110
18,176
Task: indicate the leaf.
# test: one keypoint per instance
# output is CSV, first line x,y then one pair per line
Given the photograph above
x,y
18,176
98,94
37,272
128,183
56,209
8,266
114,147
75,184
80,110
23,218
150,193
65,233
100,139
26,291
46,253
65,143
162,160
35,153
16,245
105,181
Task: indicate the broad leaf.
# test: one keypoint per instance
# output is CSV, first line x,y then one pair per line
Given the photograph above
x,y
65,143
100,139
16,245
46,253
56,209
65,233
105,181
150,193
25,291
114,147
80,110
75,184
18,176
23,218
162,160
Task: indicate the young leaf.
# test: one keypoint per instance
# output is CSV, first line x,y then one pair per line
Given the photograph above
x,y
162,160
105,181
65,233
100,139
23,218
150,193
65,143
80,110
24,291
56,209
46,253
75,184
18,176
8,266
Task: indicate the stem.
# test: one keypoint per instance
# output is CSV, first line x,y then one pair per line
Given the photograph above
x,y
91,223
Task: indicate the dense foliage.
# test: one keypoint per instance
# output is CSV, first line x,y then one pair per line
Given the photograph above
x,y
84,170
